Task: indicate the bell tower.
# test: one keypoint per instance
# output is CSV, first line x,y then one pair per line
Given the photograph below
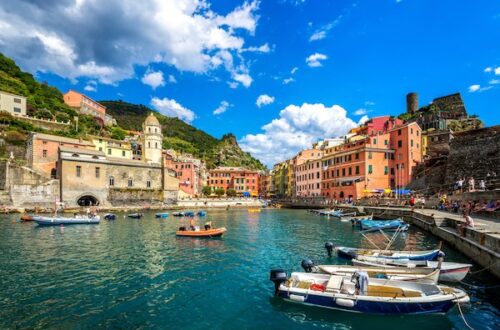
x,y
152,139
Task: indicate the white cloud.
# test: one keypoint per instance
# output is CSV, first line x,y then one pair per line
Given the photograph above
x,y
369,103
488,69
59,37
494,81
322,32
497,71
474,88
261,49
243,78
286,81
264,99
233,84
314,60
171,79
360,112
224,105
91,86
294,70
296,128
171,108
154,79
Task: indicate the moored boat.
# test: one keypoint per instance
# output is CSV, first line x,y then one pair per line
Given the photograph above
x,y
450,271
162,215
373,296
27,217
178,214
201,213
110,216
254,210
391,226
189,214
135,215
215,232
350,253
56,221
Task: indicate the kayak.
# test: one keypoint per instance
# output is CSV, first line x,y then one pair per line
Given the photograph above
x,y
216,232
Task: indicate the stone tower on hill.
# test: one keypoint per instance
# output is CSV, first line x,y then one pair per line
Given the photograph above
x,y
152,140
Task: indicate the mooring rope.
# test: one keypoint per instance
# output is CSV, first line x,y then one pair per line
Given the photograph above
x,y
463,317
479,271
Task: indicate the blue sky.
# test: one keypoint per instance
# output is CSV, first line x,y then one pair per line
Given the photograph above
x,y
318,66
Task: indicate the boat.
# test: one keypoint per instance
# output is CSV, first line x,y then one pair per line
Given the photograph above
x,y
161,215
135,215
56,221
377,296
382,224
178,214
255,210
215,232
422,275
351,253
201,213
356,218
189,214
110,216
450,271
27,217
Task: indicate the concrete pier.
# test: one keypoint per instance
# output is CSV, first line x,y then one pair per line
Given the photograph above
x,y
481,243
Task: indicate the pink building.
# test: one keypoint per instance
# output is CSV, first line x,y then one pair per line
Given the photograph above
x,y
188,173
307,173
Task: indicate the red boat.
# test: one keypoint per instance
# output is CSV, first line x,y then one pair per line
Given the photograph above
x,y
216,232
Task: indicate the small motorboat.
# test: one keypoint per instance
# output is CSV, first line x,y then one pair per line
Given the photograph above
x,y
351,253
399,227
254,210
27,217
178,214
381,224
216,232
135,215
422,275
356,218
374,296
450,271
161,215
56,221
189,214
110,216
201,213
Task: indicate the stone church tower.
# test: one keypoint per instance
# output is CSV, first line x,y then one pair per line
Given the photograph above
x,y
152,140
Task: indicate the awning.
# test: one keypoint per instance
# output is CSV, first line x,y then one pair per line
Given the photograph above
x,y
246,194
348,179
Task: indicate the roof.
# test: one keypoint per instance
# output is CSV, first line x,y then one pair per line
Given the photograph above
x,y
81,151
151,120
12,94
62,139
85,96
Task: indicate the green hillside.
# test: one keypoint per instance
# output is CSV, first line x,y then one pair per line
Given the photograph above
x,y
47,102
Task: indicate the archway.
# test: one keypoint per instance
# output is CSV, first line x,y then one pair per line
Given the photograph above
x,y
87,200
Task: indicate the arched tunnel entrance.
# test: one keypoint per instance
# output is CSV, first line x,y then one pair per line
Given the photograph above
x,y
87,200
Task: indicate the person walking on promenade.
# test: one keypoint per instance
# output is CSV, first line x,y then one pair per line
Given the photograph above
x,y
471,184
482,185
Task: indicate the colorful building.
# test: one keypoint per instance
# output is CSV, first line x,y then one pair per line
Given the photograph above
x,y
307,173
85,105
13,104
264,184
152,139
244,181
112,147
189,171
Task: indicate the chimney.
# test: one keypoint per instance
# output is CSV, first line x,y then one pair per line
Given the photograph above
x,y
411,103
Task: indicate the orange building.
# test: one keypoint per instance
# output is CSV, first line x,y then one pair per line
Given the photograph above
x,y
42,151
188,173
264,185
85,104
245,182
307,173
372,162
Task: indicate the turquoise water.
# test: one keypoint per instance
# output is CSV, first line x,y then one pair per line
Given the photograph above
x,y
137,274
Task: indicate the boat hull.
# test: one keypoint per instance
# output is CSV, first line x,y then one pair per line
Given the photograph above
x,y
48,221
351,253
161,215
27,217
217,232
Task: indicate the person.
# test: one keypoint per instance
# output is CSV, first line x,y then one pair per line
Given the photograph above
x,y
482,185
469,223
208,225
412,202
460,184
422,201
192,224
471,184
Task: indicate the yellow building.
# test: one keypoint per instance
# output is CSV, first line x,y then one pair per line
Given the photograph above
x,y
111,147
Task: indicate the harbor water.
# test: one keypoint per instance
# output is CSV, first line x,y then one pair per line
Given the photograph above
x,y
131,273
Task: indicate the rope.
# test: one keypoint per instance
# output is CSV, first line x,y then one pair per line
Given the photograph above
x,y
480,287
479,271
463,317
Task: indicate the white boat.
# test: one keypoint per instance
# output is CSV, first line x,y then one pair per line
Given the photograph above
x,y
351,253
422,275
450,271
56,221
356,218
376,296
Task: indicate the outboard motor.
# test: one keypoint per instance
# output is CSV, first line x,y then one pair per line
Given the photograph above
x,y
329,248
278,276
307,265
440,254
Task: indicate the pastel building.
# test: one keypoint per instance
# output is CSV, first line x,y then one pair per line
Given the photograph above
x,y
189,171
372,162
307,173
13,104
112,147
85,105
152,139
244,181
264,184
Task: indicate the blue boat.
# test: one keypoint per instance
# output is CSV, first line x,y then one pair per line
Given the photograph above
x,y
352,253
161,215
189,214
202,213
374,296
109,216
373,225
57,221
389,227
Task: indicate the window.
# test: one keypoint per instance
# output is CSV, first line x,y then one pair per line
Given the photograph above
x,y
148,184
411,130
16,109
130,182
369,155
400,143
370,169
97,172
149,129
386,142
16,100
343,172
392,170
374,141
350,170
109,151
386,170
44,142
417,133
149,144
123,153
78,171
44,153
356,156
411,143
399,132
156,145
357,169
100,148
111,181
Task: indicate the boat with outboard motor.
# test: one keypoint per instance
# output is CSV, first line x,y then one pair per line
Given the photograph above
x,y
135,215
162,215
27,217
178,214
450,271
356,218
201,233
370,225
110,216
77,220
201,213
350,253
188,213
362,295
422,275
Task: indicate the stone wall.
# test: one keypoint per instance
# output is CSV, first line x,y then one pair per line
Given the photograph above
x,y
30,196
121,197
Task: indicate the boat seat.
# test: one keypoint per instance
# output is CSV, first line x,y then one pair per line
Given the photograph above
x,y
334,283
